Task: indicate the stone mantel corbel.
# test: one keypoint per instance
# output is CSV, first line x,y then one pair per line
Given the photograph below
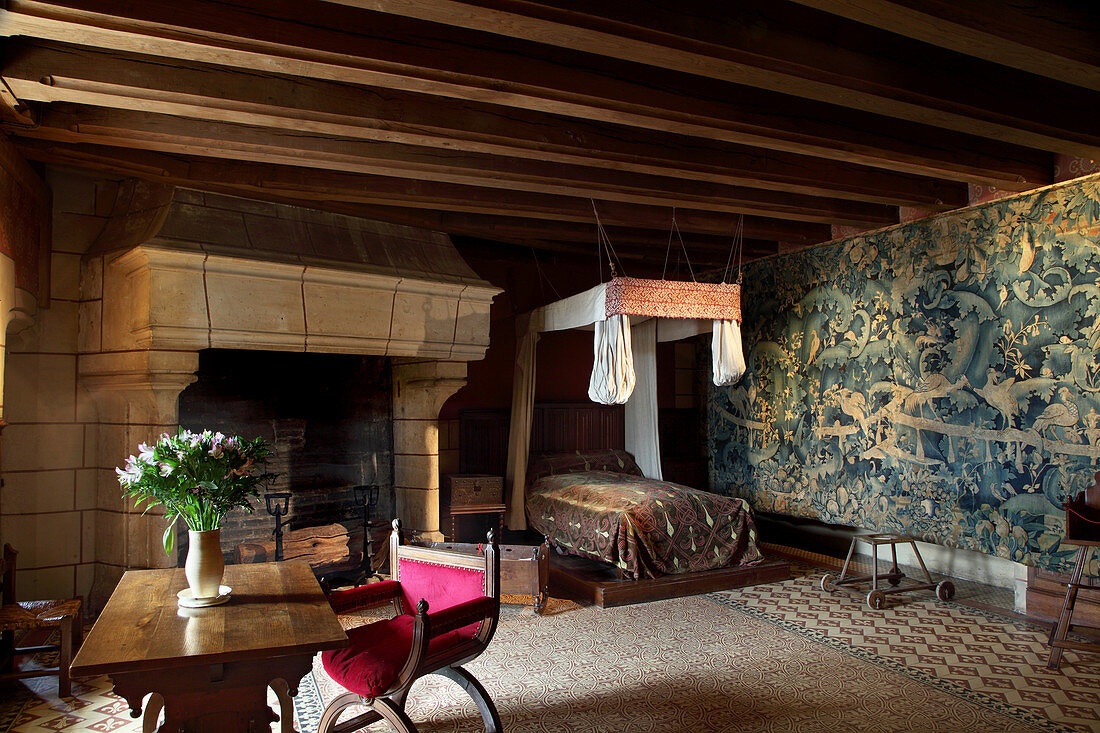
x,y
136,396
420,388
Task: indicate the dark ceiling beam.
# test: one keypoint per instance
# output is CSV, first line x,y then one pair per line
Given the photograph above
x,y
309,187
781,47
62,73
628,243
1052,38
164,133
298,39
521,220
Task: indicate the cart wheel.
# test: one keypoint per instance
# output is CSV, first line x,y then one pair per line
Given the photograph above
x,y
945,590
828,582
876,599
895,580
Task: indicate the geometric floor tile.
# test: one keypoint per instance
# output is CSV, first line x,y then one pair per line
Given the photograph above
x,y
779,657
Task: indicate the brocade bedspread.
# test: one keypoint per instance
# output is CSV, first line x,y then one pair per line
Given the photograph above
x,y
644,527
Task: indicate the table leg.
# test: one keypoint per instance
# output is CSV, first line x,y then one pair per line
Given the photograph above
x,y
64,684
214,698
286,705
153,706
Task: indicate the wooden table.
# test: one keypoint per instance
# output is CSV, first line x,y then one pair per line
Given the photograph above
x,y
210,667
494,513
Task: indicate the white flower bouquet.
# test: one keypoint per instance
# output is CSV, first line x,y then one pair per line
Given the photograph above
x,y
197,476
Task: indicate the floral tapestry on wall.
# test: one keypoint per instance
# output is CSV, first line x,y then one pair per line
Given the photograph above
x,y
938,378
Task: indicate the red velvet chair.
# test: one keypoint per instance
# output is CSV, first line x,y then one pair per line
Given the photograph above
x,y
447,608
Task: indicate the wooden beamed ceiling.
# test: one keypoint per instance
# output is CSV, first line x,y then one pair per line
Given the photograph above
x,y
509,121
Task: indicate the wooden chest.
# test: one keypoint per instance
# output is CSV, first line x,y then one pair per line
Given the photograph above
x,y
524,569
471,489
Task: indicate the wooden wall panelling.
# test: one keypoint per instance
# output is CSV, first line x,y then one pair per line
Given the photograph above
x,y
555,428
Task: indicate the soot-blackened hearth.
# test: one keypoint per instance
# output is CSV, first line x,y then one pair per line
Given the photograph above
x,y
328,417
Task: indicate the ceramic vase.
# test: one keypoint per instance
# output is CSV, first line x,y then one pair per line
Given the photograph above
x,y
204,565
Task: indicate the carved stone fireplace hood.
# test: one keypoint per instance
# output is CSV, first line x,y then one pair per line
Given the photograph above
x,y
223,272
201,271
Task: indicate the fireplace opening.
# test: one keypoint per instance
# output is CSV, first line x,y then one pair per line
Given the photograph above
x,y
329,419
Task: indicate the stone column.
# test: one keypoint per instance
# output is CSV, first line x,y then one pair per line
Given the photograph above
x,y
419,390
136,395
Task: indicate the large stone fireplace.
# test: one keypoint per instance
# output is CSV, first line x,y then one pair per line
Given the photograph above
x,y
267,302
330,433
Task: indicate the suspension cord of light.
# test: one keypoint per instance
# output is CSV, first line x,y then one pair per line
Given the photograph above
x,y
603,241
737,243
675,228
543,279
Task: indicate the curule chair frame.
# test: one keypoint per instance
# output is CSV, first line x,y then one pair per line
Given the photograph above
x,y
390,705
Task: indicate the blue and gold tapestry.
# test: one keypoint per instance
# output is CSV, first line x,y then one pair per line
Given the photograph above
x,y
939,378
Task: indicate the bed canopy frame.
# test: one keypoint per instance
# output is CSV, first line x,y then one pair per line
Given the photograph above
x,y
629,316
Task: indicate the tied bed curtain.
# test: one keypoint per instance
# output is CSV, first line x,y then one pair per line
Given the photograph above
x,y
642,438
727,354
613,376
630,315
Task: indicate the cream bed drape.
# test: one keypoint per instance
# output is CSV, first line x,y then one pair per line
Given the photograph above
x,y
630,316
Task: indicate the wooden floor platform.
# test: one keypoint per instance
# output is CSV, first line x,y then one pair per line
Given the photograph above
x,y
593,582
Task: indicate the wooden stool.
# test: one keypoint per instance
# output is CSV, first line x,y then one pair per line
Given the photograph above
x,y
876,596
64,615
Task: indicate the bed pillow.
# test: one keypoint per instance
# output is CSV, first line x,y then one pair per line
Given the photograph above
x,y
550,464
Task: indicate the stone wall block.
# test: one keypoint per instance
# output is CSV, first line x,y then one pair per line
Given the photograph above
x,y
41,387
416,471
110,537
416,436
473,323
125,305
89,336
104,580
85,494
339,306
176,300
108,491
43,540
34,492
43,447
256,303
56,330
85,576
75,232
423,323
87,536
419,512
46,582
91,278
146,548
65,276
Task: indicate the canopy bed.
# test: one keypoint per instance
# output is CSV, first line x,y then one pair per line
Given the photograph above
x,y
624,535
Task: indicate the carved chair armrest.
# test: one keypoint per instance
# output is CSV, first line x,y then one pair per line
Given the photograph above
x,y
464,614
365,596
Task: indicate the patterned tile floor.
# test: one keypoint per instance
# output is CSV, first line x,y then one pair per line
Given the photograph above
x,y
967,592
951,645
958,650
92,707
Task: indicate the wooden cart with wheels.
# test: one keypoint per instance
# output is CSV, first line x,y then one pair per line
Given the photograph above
x,y
897,580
